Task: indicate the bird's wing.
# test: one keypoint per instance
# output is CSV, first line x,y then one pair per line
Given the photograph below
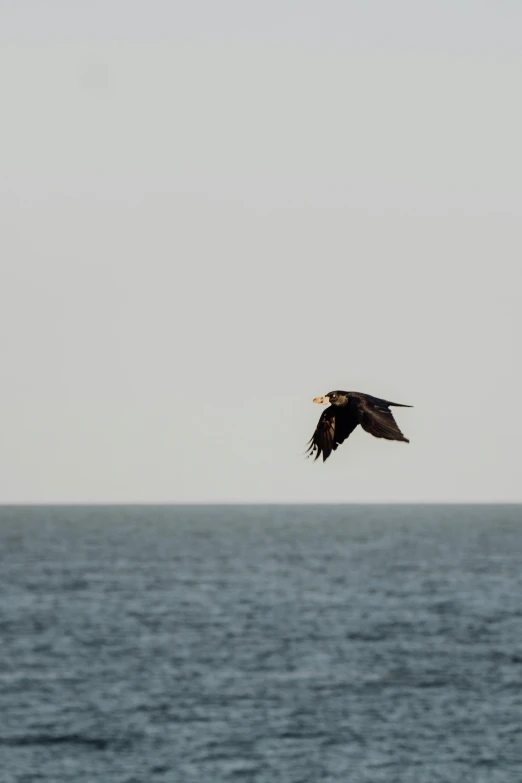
x,y
375,417
334,426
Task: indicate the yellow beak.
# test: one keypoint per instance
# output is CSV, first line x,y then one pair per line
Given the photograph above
x,y
322,400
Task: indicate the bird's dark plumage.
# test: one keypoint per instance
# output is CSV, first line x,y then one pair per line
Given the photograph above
x,y
347,410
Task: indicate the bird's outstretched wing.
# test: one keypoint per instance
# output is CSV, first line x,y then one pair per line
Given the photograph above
x,y
375,416
334,426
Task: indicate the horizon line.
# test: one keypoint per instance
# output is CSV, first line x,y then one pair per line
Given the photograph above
x,y
173,504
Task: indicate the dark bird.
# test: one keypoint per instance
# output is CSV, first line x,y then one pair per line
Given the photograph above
x,y
347,410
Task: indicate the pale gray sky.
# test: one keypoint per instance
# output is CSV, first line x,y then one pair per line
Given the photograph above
x,y
212,212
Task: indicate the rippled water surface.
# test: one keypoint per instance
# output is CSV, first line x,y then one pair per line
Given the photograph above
x,y
335,643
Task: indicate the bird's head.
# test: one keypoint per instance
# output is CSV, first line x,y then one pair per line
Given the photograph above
x,y
333,397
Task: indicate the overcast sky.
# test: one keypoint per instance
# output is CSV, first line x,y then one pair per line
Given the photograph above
x,y
212,212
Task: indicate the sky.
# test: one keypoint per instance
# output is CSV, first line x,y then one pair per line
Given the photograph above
x,y
213,212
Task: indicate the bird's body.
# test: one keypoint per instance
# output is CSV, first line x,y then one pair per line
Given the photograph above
x,y
347,410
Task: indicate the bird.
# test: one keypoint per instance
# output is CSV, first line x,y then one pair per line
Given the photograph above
x,y
347,409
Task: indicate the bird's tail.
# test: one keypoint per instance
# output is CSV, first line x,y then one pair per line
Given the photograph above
x,y
379,401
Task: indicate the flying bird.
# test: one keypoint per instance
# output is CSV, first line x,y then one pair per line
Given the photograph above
x,y
346,411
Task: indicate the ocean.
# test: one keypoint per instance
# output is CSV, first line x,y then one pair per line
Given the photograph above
x,y
354,644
